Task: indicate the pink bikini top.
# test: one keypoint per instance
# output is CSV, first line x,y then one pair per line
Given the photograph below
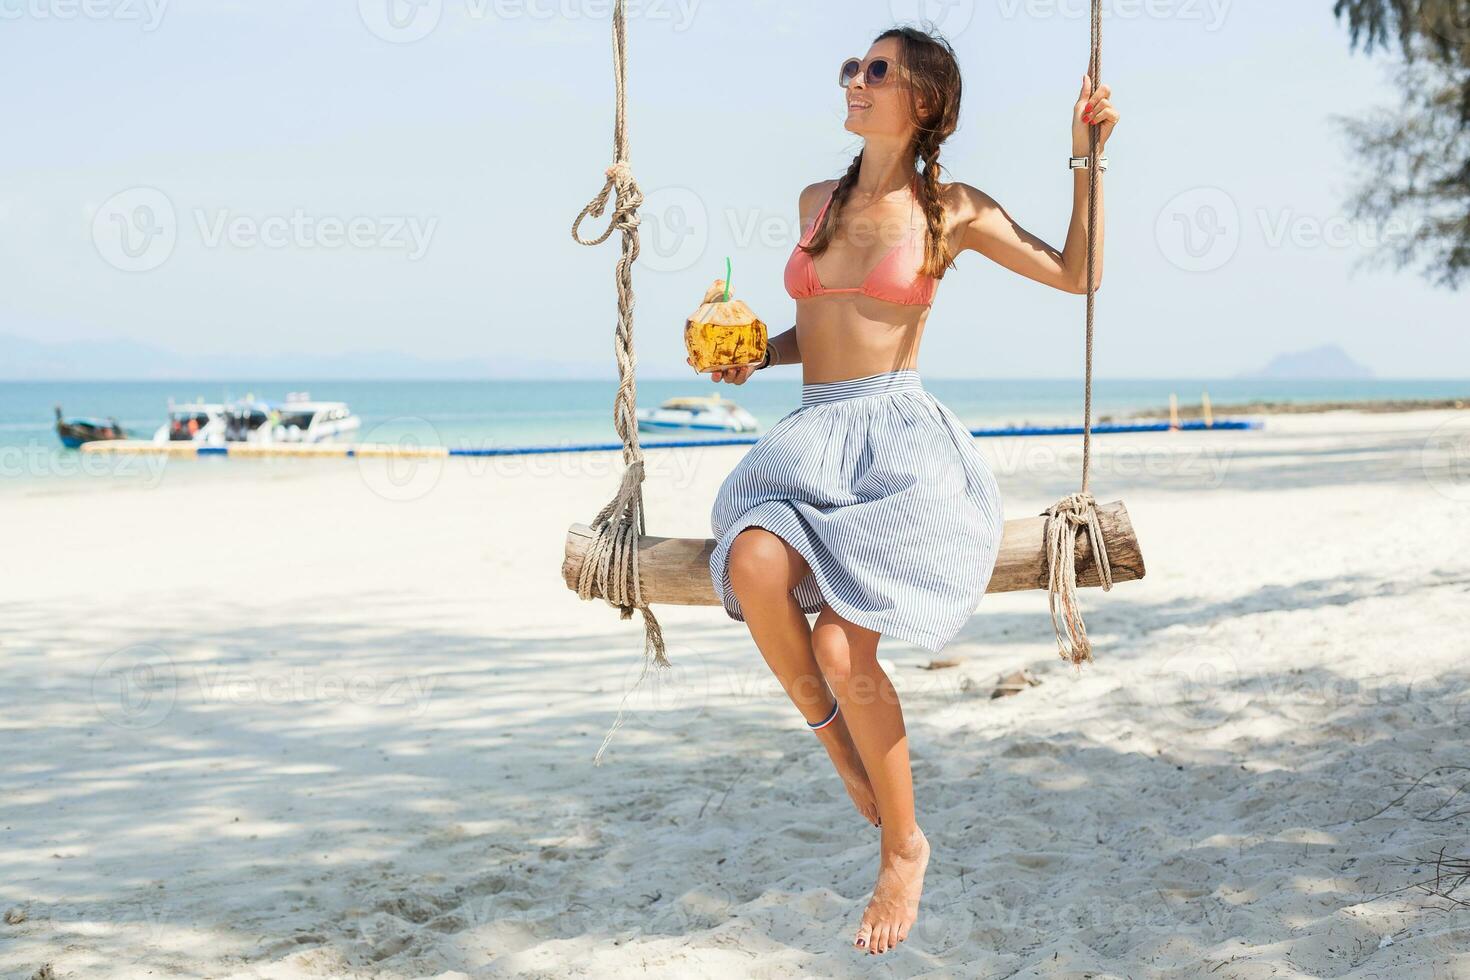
x,y
895,278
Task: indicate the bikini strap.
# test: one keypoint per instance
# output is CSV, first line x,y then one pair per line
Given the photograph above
x,y
817,221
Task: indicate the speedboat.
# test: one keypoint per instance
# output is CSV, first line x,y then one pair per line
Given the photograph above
x,y
299,419
701,412
76,431
251,420
199,421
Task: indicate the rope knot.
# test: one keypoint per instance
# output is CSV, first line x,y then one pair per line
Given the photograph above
x,y
619,186
1065,519
1072,508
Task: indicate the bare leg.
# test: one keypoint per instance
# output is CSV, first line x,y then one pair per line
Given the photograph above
x,y
763,571
848,657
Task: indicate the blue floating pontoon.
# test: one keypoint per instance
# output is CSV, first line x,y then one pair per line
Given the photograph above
x,y
1044,430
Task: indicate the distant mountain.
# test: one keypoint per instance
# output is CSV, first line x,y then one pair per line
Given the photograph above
x,y
123,360
1328,361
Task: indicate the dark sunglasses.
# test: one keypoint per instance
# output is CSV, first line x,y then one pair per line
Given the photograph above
x,y
875,73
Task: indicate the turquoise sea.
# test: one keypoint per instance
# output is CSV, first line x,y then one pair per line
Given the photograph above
x,y
483,414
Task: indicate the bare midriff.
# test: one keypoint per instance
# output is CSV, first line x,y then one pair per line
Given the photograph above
x,y
846,335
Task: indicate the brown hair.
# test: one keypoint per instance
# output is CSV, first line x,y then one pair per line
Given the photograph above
x,y
933,73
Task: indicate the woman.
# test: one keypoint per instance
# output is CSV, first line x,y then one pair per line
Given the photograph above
x,y
870,505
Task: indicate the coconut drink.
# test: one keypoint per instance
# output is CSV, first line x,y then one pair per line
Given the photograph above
x,y
723,332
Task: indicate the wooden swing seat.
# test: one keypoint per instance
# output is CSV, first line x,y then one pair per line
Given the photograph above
x,y
675,571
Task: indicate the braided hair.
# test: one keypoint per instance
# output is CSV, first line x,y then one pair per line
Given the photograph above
x,y
933,73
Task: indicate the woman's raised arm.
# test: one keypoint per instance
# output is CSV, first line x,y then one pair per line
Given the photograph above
x,y
987,228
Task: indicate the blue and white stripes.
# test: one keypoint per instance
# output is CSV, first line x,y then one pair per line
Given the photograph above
x,y
884,493
906,379
817,726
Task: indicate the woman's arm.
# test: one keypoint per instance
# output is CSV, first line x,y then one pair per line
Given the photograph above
x,y
785,348
991,231
987,228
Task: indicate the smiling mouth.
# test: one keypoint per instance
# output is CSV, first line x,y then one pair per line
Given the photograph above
x,y
852,106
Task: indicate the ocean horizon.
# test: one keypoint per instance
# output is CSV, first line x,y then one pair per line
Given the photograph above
x,y
506,413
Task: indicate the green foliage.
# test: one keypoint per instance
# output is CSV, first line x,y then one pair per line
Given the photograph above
x,y
1417,180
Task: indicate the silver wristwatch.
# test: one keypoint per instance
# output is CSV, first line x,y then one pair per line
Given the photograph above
x,y
1080,163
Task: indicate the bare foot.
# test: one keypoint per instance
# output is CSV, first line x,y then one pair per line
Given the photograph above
x,y
895,904
849,765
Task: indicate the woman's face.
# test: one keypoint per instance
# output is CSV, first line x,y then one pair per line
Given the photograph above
x,y
880,110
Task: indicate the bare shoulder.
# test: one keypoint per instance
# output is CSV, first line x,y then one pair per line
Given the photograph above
x,y
812,196
965,203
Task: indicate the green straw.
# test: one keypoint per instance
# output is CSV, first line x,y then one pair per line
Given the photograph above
x,y
727,280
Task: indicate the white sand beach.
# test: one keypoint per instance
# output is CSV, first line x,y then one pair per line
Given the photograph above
x,y
281,720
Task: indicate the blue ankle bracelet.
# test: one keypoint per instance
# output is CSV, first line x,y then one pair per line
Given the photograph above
x,y
825,721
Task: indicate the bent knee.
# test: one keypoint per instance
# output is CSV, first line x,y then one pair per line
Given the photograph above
x,y
841,648
833,658
758,562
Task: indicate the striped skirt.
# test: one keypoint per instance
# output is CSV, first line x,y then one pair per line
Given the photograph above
x,y
885,494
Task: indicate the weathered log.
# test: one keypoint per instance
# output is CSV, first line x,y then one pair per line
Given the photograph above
x,y
675,571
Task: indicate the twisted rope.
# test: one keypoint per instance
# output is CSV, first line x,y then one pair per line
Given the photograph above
x,y
1078,512
611,568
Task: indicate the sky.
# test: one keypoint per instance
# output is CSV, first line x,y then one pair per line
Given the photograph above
x,y
215,177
